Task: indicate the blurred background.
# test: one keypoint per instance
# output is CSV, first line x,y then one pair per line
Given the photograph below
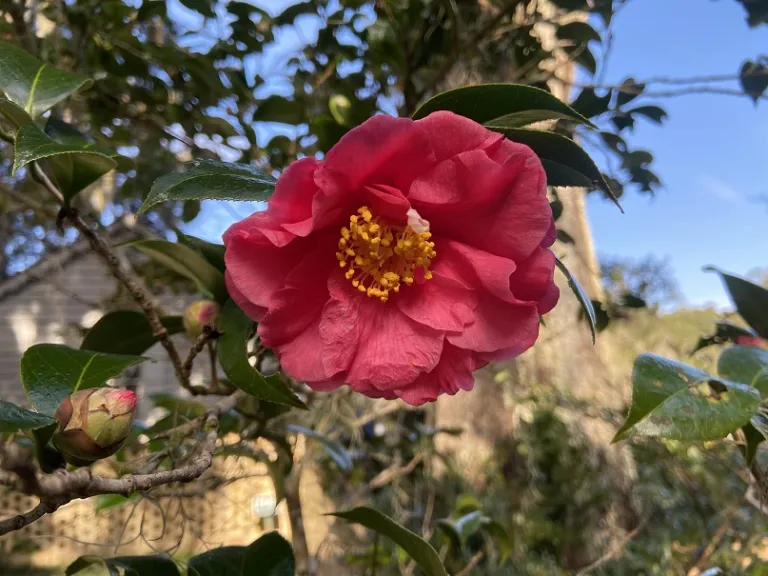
x,y
677,90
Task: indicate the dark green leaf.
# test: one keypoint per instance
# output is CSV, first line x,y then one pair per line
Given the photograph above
x,y
213,253
602,319
126,332
460,529
416,547
561,175
754,79
288,15
187,262
745,364
751,300
279,109
270,555
224,561
753,438
583,56
190,210
571,4
236,329
565,153
628,91
486,102
525,118
336,451
581,296
629,300
144,565
90,566
623,120
31,84
579,32
327,130
15,418
74,166
654,113
590,104
210,179
564,237
15,115
151,8
51,372
205,7
673,400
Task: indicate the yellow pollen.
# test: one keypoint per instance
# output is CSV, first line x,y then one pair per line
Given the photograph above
x,y
379,257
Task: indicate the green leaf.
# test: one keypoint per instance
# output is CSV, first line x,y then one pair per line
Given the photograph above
x,y
579,32
745,364
90,566
107,501
628,91
751,300
15,418
126,332
559,175
654,113
213,253
590,104
673,400
460,529
205,7
187,262
525,118
566,153
336,451
144,565
754,78
15,115
224,561
581,296
33,85
210,179
288,15
51,372
486,102
416,547
270,555
236,329
724,332
753,438
74,166
279,109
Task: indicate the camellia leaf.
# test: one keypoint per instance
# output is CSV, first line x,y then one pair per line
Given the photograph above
x,y
270,555
213,253
224,561
745,364
590,104
525,118
236,328
279,109
187,262
724,332
753,438
32,85
578,32
460,529
123,566
74,166
90,566
336,451
51,372
564,152
15,115
581,296
126,332
754,78
15,418
673,400
416,547
486,102
210,179
751,300
655,113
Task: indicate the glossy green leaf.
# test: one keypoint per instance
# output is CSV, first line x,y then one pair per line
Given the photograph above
x,y
654,113
754,435
556,149
236,329
673,400
224,561
74,166
416,547
213,253
745,364
211,179
126,332
590,104
15,418
33,85
526,118
486,102
336,451
270,555
51,372
15,115
90,566
460,529
579,32
560,175
751,300
144,565
187,262
582,297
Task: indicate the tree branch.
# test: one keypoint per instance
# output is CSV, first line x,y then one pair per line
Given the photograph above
x,y
614,551
18,522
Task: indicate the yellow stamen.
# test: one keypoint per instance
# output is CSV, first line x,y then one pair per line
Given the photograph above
x,y
382,256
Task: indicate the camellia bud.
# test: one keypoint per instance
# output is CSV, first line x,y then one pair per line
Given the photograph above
x,y
198,315
754,341
93,424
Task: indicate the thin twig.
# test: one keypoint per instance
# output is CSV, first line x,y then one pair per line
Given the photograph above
x,y
614,551
474,561
18,522
207,336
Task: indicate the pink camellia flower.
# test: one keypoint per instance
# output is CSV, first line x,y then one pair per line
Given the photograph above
x,y
414,254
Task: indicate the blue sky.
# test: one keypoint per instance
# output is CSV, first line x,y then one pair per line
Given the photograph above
x,y
711,153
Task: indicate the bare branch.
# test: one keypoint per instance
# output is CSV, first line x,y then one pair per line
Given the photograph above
x,y
614,551
18,522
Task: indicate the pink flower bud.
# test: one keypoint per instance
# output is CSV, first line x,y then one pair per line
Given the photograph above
x,y
200,314
754,341
93,424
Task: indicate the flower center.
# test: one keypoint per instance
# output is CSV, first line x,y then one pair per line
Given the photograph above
x,y
380,257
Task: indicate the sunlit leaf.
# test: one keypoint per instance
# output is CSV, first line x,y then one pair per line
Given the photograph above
x,y
745,364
